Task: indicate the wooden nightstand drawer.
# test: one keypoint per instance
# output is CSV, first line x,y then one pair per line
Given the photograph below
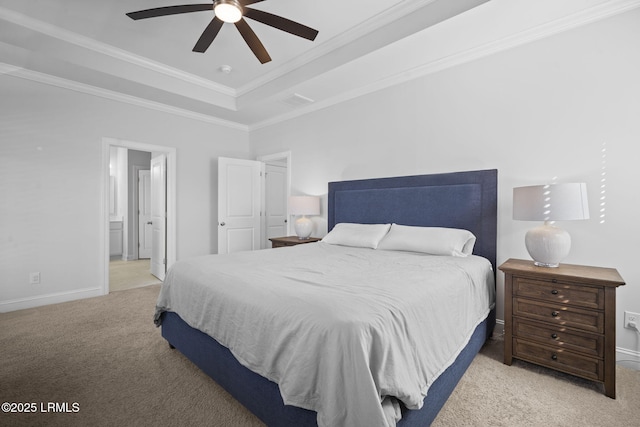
x,y
578,341
556,314
559,292
559,359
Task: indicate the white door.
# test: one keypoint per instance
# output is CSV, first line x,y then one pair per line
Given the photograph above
x,y
238,205
275,202
158,216
144,215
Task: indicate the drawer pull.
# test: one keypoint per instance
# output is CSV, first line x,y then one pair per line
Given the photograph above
x,y
554,280
554,292
554,336
554,357
555,313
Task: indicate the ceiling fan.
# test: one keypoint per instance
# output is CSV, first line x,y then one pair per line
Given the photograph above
x,y
232,11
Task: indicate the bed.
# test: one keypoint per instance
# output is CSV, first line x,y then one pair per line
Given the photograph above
x,y
460,200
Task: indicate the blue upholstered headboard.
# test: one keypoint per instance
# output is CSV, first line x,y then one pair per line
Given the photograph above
x,y
465,200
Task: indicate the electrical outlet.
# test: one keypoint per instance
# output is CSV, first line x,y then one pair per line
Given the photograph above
x,y
34,278
630,317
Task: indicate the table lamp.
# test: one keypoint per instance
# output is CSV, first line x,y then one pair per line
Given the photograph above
x,y
304,205
548,245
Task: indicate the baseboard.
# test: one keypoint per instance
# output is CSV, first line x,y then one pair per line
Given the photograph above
x,y
628,358
54,298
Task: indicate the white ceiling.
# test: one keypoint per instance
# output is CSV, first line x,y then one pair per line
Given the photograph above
x,y
362,46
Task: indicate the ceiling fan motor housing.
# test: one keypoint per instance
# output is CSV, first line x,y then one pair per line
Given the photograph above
x,y
228,10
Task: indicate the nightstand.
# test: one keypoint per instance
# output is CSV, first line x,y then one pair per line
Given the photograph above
x,y
563,318
279,242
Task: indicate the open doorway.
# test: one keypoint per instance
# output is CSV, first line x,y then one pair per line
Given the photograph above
x,y
130,224
129,212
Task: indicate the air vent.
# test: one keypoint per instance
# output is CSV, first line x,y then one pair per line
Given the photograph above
x,y
297,100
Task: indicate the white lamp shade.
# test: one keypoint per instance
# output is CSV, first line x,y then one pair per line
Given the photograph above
x,y
548,245
304,205
552,202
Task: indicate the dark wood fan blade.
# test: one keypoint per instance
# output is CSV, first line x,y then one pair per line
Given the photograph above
x,y
248,2
281,23
169,10
253,41
208,35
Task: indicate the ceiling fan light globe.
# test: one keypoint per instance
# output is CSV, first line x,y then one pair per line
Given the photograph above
x,y
228,11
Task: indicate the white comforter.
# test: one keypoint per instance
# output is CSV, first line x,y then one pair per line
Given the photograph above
x,y
343,331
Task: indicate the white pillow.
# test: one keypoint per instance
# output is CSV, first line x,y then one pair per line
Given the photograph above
x,y
429,240
357,235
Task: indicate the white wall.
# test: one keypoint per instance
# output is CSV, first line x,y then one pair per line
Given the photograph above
x,y
540,112
51,185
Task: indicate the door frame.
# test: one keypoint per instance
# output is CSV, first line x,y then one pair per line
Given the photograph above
x,y
283,155
170,152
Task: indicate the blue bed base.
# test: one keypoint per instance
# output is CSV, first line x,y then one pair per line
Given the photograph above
x,y
460,200
262,397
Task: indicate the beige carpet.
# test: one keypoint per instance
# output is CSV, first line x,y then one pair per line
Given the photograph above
x,y
130,274
105,354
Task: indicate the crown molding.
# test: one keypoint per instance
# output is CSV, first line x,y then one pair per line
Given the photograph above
x,y
111,51
588,16
12,70
373,23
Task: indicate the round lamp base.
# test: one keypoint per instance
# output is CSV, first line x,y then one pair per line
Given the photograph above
x,y
303,227
548,245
